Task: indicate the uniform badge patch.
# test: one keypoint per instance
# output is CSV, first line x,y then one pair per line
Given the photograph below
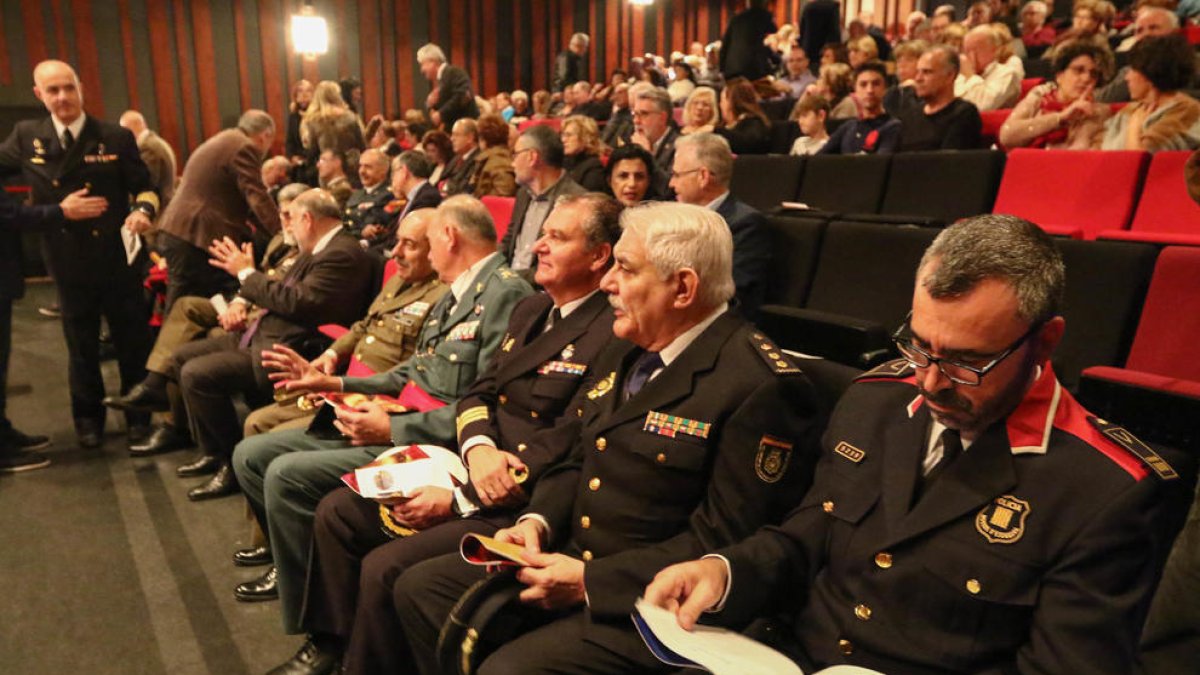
x,y
603,386
564,367
671,425
464,331
849,452
1003,521
772,459
415,308
568,352
507,343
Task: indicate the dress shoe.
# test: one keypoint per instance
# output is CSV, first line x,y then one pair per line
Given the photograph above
x,y
257,590
138,433
140,399
13,438
202,466
223,484
310,660
163,439
253,556
89,432
17,461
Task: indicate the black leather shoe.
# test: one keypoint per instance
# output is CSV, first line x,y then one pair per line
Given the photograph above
x,y
257,590
89,432
140,399
138,434
253,556
310,660
13,438
163,439
203,466
223,484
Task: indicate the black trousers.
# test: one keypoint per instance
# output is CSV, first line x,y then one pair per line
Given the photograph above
x,y
353,568
209,373
190,272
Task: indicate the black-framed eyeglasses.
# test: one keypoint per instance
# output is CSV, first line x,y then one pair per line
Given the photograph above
x,y
956,371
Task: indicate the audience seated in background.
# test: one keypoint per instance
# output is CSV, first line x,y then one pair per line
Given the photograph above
x,y
875,131
907,54
745,125
1150,22
328,124
367,207
835,84
619,126
684,83
274,175
630,175
459,175
700,111
541,105
810,114
494,164
1036,34
861,50
412,190
1161,116
833,53
582,152
331,176
521,110
538,163
983,79
1061,113
798,74
440,150
936,119
654,130
1090,22
381,135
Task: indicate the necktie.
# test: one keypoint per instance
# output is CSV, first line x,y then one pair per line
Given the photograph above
x,y
951,449
289,281
552,318
643,368
68,139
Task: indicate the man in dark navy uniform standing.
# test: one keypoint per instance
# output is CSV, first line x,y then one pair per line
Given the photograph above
x,y
62,154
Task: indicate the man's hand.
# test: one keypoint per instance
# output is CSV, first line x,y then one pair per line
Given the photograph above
x,y
233,319
1080,109
639,138
427,507
326,363
79,206
366,424
527,533
138,222
688,589
372,231
966,66
292,372
489,469
555,581
435,116
227,256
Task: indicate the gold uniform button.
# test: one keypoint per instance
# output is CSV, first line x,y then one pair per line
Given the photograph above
x,y
827,507
521,447
96,233
585,522
662,457
601,444
845,647
533,414
379,322
54,182
454,357
587,556
503,399
862,612
579,412
594,484
883,560
370,339
973,586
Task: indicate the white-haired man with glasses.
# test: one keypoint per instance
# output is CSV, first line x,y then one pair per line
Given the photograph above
x,y
967,514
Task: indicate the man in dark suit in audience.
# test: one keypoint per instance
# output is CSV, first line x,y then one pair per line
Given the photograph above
x,y
220,193
89,259
453,96
619,128
367,206
410,182
696,430
935,119
459,177
570,64
655,130
537,162
967,515
703,168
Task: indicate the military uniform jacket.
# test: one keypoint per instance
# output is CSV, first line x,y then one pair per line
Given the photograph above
x,y
387,335
106,160
721,442
364,209
453,348
520,399
1034,551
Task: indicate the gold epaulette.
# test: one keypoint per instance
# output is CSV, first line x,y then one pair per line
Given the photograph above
x,y
773,356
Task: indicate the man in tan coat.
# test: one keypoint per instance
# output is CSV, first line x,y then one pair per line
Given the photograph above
x,y
156,154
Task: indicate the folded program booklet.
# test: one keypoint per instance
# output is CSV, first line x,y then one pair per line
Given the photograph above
x,y
479,549
717,650
400,471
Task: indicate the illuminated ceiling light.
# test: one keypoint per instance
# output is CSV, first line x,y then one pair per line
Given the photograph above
x,y
641,3
310,33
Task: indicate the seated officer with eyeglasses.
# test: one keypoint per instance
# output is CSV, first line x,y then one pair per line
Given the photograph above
x,y
967,515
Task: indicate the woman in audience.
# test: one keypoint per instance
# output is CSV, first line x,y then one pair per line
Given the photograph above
x,y
520,107
1161,117
810,114
833,53
1061,113
1036,34
745,125
1090,22
1004,53
329,124
494,168
835,84
700,111
302,94
953,36
630,175
582,150
684,83
439,150
862,50
541,105
907,54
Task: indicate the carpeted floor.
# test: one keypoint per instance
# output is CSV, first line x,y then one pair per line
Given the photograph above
x,y
105,566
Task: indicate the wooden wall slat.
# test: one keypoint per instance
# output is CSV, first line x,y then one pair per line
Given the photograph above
x,y
537,42
405,50
521,46
637,39
35,32
5,65
612,34
61,46
291,59
566,19
243,54
388,45
434,36
187,79
206,67
131,74
339,31
88,64
162,59
270,33
368,41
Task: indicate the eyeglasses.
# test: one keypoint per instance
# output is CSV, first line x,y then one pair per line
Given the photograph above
x,y
681,174
956,371
645,113
517,153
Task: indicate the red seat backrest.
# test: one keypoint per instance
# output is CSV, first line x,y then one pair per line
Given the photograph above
x,y
992,121
552,122
389,269
1029,83
501,209
1092,190
1165,205
1165,343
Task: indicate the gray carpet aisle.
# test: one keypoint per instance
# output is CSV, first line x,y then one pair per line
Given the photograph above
x,y
105,566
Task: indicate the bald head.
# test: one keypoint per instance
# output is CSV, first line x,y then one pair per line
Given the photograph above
x,y
133,121
57,86
981,45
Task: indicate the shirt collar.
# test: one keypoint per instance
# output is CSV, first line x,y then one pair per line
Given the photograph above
x,y
140,137
441,69
76,127
687,337
460,285
412,194
716,203
567,307
541,196
324,241
373,188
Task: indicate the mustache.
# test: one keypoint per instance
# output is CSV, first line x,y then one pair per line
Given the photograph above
x,y
946,398
616,303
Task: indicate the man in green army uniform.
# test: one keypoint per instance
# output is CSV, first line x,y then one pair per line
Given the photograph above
x,y
285,474
385,337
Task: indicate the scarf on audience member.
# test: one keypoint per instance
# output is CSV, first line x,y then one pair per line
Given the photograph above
x,y
1050,103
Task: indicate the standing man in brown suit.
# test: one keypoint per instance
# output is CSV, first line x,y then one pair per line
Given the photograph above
x,y
221,189
157,155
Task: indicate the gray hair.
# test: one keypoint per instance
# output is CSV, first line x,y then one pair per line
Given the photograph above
x,y
1171,17
416,163
712,152
276,161
952,61
547,143
290,191
319,204
579,38
468,126
603,222
683,236
656,95
1006,248
255,121
431,52
470,217
1039,7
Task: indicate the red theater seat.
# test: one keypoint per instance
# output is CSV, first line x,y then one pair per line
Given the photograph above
x,y
992,121
1029,83
552,122
501,209
1165,213
1077,193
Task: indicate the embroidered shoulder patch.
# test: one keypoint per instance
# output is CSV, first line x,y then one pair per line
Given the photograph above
x,y
1122,437
896,369
773,356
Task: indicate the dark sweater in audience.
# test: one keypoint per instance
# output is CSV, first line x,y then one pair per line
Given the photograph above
x,y
875,135
587,170
955,127
750,136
